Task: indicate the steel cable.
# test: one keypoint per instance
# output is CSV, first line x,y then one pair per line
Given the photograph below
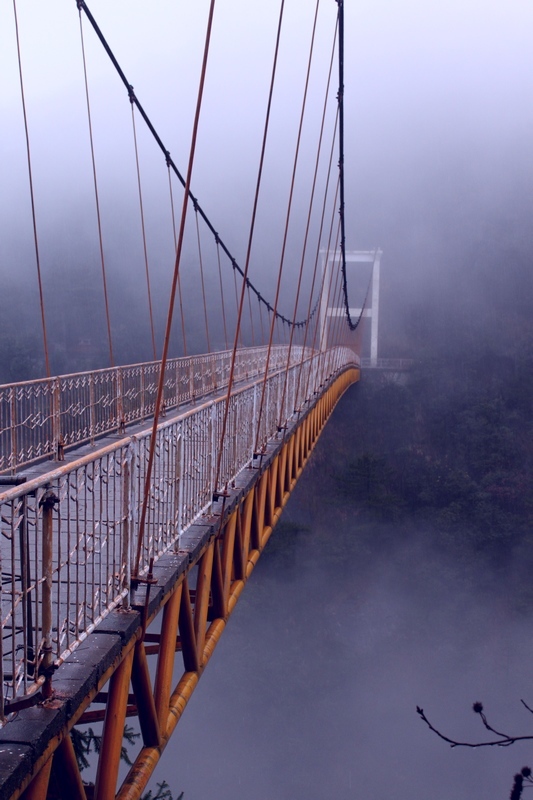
x,y
180,296
32,198
143,231
161,383
96,198
306,236
133,99
287,221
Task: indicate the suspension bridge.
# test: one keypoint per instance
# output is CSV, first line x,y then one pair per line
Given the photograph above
x,y
136,500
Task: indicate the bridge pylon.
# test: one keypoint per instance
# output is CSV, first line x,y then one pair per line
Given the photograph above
x,y
371,307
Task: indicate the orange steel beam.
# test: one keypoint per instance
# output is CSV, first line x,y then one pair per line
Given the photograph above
x,y
54,743
113,732
205,569
145,702
38,788
167,651
66,773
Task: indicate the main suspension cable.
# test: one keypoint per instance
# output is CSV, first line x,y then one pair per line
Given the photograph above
x,y
352,325
133,99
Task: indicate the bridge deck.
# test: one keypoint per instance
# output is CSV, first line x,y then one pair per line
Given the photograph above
x,y
195,586
72,619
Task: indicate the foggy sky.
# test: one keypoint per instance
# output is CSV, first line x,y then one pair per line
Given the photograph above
x,y
338,636
439,130
438,118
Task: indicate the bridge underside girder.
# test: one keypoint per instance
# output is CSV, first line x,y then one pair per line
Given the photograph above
x,y
192,593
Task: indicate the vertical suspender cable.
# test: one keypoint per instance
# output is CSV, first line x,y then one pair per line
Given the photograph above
x,y
222,295
318,328
202,277
251,314
287,220
32,198
184,337
306,236
237,326
164,356
135,101
317,257
96,197
249,250
261,319
141,209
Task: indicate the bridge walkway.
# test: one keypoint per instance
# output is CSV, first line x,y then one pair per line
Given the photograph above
x,y
107,637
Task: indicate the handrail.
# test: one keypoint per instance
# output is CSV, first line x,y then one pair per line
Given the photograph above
x,y
42,418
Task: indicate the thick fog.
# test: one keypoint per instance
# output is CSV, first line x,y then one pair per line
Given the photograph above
x,y
343,628
438,132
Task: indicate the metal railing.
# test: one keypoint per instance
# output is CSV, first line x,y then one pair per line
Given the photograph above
x,y
40,419
68,538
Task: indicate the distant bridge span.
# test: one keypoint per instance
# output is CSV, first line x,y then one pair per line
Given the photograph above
x,y
77,636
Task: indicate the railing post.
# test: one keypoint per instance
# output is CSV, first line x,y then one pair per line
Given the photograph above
x,y
91,408
2,687
120,402
254,422
13,426
48,501
181,474
127,522
25,577
191,380
213,437
142,392
56,418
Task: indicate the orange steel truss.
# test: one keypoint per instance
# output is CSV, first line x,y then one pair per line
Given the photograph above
x,y
193,613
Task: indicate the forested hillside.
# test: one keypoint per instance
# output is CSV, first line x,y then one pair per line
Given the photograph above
x,y
448,443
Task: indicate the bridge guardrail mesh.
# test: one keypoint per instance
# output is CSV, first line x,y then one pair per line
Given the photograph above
x,y
67,539
40,418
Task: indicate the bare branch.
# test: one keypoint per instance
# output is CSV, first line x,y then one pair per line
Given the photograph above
x,y
526,706
504,740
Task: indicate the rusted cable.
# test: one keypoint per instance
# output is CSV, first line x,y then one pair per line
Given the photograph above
x,y
249,248
161,383
287,221
32,198
180,295
222,296
306,236
202,282
83,5
143,229
96,198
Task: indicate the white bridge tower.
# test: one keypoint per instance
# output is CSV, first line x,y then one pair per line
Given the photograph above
x,y
372,306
